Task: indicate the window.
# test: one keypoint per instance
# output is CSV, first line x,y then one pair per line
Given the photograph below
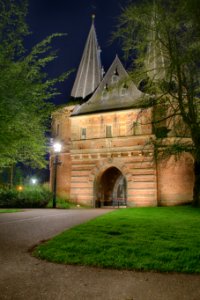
x,y
123,91
115,78
83,133
108,131
136,128
104,95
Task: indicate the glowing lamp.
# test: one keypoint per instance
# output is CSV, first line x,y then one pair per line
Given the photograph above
x,y
20,188
33,181
57,147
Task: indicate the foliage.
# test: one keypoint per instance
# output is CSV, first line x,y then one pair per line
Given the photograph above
x,y
25,89
29,197
164,36
12,176
62,203
2,211
13,27
160,239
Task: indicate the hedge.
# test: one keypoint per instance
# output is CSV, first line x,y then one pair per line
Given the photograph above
x,y
29,197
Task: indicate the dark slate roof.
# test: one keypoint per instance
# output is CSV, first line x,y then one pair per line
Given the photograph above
x,y
116,91
89,72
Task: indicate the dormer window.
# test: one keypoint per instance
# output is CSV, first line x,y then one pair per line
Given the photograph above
x,y
104,94
116,72
115,78
124,91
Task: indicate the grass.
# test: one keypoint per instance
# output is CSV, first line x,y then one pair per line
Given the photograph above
x,y
9,210
163,239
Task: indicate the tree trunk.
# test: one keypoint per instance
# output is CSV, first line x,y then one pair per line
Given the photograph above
x,y
11,175
196,189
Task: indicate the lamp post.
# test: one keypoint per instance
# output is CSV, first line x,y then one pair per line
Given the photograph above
x,y
34,181
57,148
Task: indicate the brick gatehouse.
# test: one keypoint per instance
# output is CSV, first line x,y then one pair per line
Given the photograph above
x,y
106,159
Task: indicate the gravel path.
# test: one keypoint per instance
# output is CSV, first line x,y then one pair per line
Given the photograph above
x,y
24,277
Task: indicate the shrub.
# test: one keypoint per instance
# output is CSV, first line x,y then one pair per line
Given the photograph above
x,y
8,198
29,197
62,203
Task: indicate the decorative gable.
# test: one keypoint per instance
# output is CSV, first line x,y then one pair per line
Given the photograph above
x,y
116,91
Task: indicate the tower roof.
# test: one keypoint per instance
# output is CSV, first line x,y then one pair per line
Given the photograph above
x,y
116,91
89,72
155,61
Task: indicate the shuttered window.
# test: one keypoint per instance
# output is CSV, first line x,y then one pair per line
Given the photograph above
x,y
83,133
108,131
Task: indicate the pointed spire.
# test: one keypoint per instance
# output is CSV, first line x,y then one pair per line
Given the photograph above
x,y
155,62
89,72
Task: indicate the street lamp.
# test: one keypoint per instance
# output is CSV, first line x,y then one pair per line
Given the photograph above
x,y
34,181
57,148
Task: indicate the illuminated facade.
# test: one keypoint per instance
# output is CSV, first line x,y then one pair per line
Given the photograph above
x,y
105,159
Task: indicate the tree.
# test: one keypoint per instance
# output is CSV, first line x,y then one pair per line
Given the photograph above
x,y
164,36
25,89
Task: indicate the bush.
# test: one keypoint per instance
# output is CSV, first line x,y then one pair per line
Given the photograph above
x,y
62,203
29,197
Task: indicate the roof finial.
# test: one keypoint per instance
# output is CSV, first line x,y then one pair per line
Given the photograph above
x,y
93,17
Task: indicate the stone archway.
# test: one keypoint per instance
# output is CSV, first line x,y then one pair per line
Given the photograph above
x,y
111,188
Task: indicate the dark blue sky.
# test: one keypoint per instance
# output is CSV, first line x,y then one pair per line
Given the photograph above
x,y
74,18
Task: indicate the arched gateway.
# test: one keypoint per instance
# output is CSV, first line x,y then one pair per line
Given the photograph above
x,y
110,188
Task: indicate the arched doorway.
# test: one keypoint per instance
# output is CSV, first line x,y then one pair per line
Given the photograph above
x,y
111,189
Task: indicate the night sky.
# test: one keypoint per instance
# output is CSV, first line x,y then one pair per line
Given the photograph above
x,y
74,18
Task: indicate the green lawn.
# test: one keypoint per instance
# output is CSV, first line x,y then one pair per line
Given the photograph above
x,y
9,210
162,239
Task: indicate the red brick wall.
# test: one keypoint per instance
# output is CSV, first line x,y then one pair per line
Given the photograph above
x,y
175,180
85,160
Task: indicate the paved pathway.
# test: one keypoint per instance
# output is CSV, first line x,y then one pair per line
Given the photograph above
x,y
24,277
